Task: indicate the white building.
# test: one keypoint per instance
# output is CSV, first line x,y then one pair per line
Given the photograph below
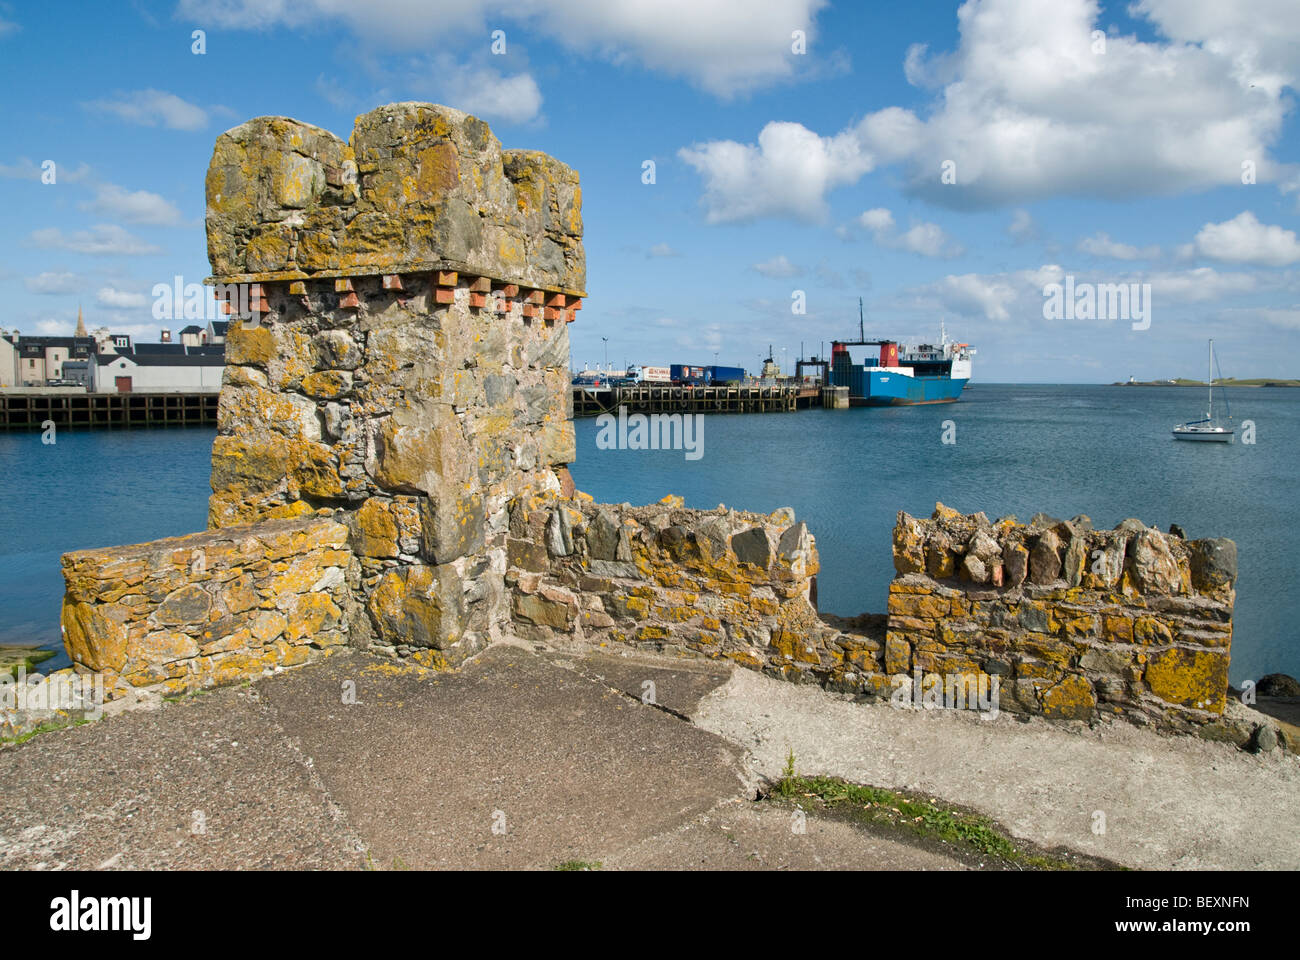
x,y
107,362
161,368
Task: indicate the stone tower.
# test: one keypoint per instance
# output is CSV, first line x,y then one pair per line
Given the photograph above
x,y
403,360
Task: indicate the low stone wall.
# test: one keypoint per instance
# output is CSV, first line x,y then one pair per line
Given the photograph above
x,y
1074,623
665,579
1077,622
210,608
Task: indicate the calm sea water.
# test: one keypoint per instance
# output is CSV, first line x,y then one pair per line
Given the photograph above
x,y
1103,451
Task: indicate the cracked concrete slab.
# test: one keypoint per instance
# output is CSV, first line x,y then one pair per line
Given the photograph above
x,y
677,686
510,762
558,754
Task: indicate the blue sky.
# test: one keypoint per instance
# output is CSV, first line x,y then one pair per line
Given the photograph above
x,y
1111,158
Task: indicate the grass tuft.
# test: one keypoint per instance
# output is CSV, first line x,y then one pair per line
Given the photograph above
x,y
876,806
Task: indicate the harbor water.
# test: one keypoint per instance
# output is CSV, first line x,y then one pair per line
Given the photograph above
x,y
1019,449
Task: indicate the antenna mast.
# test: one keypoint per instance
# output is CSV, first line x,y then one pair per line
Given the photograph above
x,y
861,328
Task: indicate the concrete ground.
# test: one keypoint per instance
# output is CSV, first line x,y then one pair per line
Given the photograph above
x,y
515,761
525,760
1168,803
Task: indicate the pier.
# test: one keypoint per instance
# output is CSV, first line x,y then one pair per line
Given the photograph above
x,y
32,409
591,401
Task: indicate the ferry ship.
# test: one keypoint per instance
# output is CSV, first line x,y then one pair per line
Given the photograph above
x,y
887,373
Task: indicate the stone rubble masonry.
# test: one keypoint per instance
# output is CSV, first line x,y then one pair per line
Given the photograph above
x,y
172,616
1078,623
417,187
404,379
411,370
723,584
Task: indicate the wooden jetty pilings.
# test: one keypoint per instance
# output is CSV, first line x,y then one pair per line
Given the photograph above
x,y
589,401
31,410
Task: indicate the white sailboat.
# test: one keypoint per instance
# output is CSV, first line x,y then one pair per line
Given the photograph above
x,y
1206,429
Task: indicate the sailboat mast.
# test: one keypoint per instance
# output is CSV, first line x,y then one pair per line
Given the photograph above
x,y
1209,378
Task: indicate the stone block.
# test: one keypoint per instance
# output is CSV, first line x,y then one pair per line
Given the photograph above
x,y
419,606
452,525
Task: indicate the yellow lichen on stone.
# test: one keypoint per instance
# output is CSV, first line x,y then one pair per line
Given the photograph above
x,y
1189,678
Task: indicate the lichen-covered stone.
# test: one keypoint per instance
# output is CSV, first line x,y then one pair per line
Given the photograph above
x,y
420,606
418,185
204,596
1145,616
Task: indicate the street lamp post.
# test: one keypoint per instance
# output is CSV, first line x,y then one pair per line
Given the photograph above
x,y
606,339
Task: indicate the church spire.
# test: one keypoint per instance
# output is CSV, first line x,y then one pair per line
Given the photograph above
x,y
81,324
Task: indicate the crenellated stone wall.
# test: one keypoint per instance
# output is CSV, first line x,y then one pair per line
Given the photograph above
x,y
397,362
417,187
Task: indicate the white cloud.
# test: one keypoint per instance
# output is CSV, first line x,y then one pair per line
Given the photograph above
x,y
54,327
1026,109
1265,43
120,299
333,92
1002,296
724,46
995,296
778,267
7,27
705,338
877,219
50,282
788,173
151,108
117,322
1243,239
1201,285
1287,318
139,206
926,239
1101,245
487,93
102,239
662,250
1022,227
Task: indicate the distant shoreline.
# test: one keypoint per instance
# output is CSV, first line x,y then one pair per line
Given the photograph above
x,y
1256,382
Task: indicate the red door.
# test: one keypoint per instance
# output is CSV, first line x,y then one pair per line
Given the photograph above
x,y
123,384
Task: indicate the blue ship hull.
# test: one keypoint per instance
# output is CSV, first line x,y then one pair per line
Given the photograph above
x,y
881,388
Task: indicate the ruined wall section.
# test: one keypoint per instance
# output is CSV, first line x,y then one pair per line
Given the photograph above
x,y
408,362
721,583
1079,623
